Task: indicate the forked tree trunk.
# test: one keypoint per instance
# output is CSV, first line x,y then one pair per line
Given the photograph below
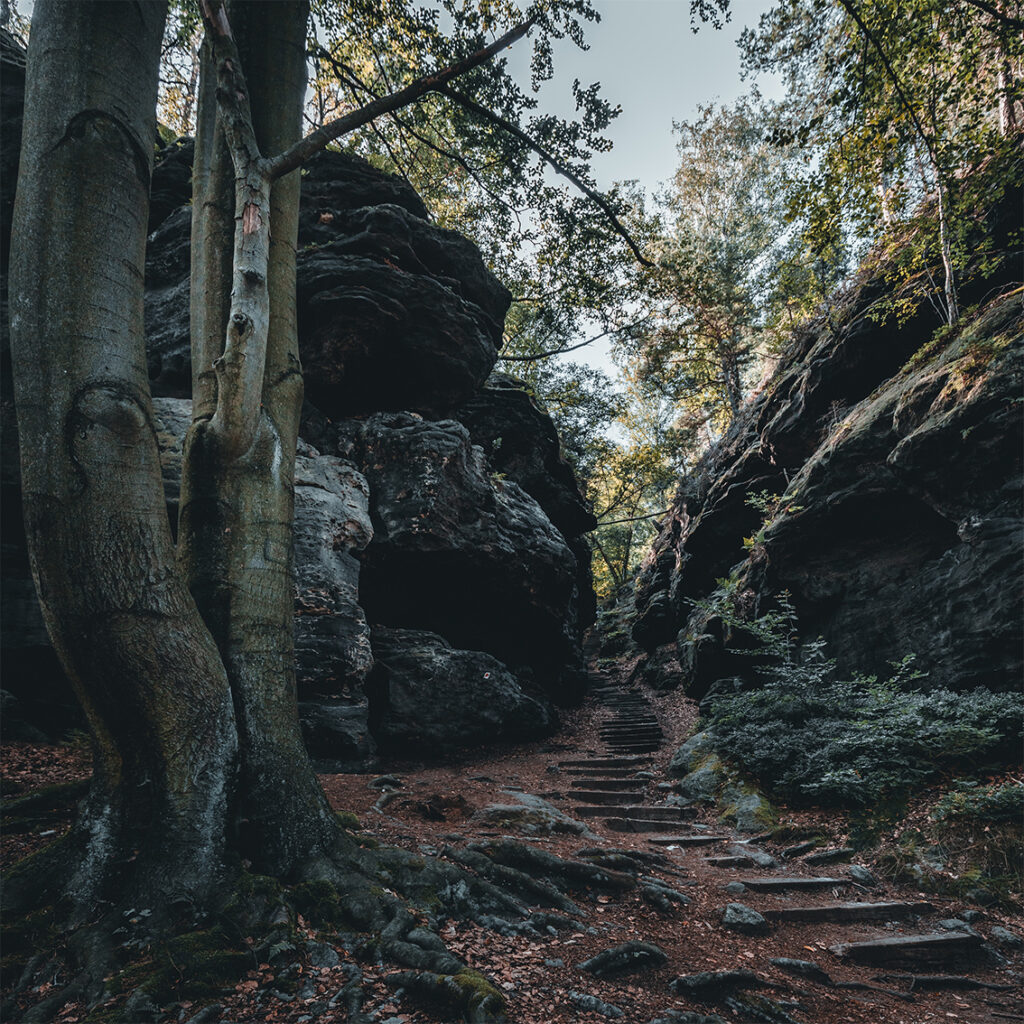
x,y
192,709
121,619
237,487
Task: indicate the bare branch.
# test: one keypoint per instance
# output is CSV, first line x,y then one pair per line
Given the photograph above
x,y
635,519
554,163
232,93
572,348
434,82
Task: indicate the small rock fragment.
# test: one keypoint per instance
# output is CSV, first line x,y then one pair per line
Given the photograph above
x,y
594,1005
323,955
1005,937
759,857
804,968
740,918
735,888
862,876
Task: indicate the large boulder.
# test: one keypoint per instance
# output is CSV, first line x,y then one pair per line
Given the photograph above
x,y
430,699
393,311
459,553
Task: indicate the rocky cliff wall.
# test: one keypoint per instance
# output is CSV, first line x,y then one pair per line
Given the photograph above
x,y
442,575
890,457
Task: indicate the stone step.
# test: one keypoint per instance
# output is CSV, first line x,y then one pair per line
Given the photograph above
x,y
653,737
798,884
618,732
608,784
945,947
634,811
634,748
691,839
729,862
608,773
606,762
841,912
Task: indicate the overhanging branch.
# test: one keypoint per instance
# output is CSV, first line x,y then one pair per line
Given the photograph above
x,y
434,82
553,162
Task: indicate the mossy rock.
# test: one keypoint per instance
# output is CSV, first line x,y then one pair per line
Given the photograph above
x,y
467,993
348,820
318,902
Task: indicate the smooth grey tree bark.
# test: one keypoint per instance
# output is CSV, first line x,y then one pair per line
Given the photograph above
x,y
124,624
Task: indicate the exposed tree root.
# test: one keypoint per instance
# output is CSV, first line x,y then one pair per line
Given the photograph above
x,y
385,903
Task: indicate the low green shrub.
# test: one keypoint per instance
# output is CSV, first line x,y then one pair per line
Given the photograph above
x,y
971,803
813,739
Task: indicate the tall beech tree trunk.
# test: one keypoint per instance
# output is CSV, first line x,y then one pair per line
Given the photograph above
x,y
121,619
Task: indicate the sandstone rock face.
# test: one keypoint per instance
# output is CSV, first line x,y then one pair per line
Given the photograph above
x,y
394,312
458,553
482,700
332,638
900,529
521,443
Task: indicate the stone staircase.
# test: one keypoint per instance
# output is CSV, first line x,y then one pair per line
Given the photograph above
x,y
784,887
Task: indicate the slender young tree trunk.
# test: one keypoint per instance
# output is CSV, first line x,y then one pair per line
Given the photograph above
x,y
121,619
237,489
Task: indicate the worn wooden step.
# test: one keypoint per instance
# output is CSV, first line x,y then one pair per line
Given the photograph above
x,y
606,762
608,784
690,839
840,912
798,884
944,947
676,814
729,862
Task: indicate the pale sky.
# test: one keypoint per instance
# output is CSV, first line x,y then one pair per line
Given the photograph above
x,y
649,62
